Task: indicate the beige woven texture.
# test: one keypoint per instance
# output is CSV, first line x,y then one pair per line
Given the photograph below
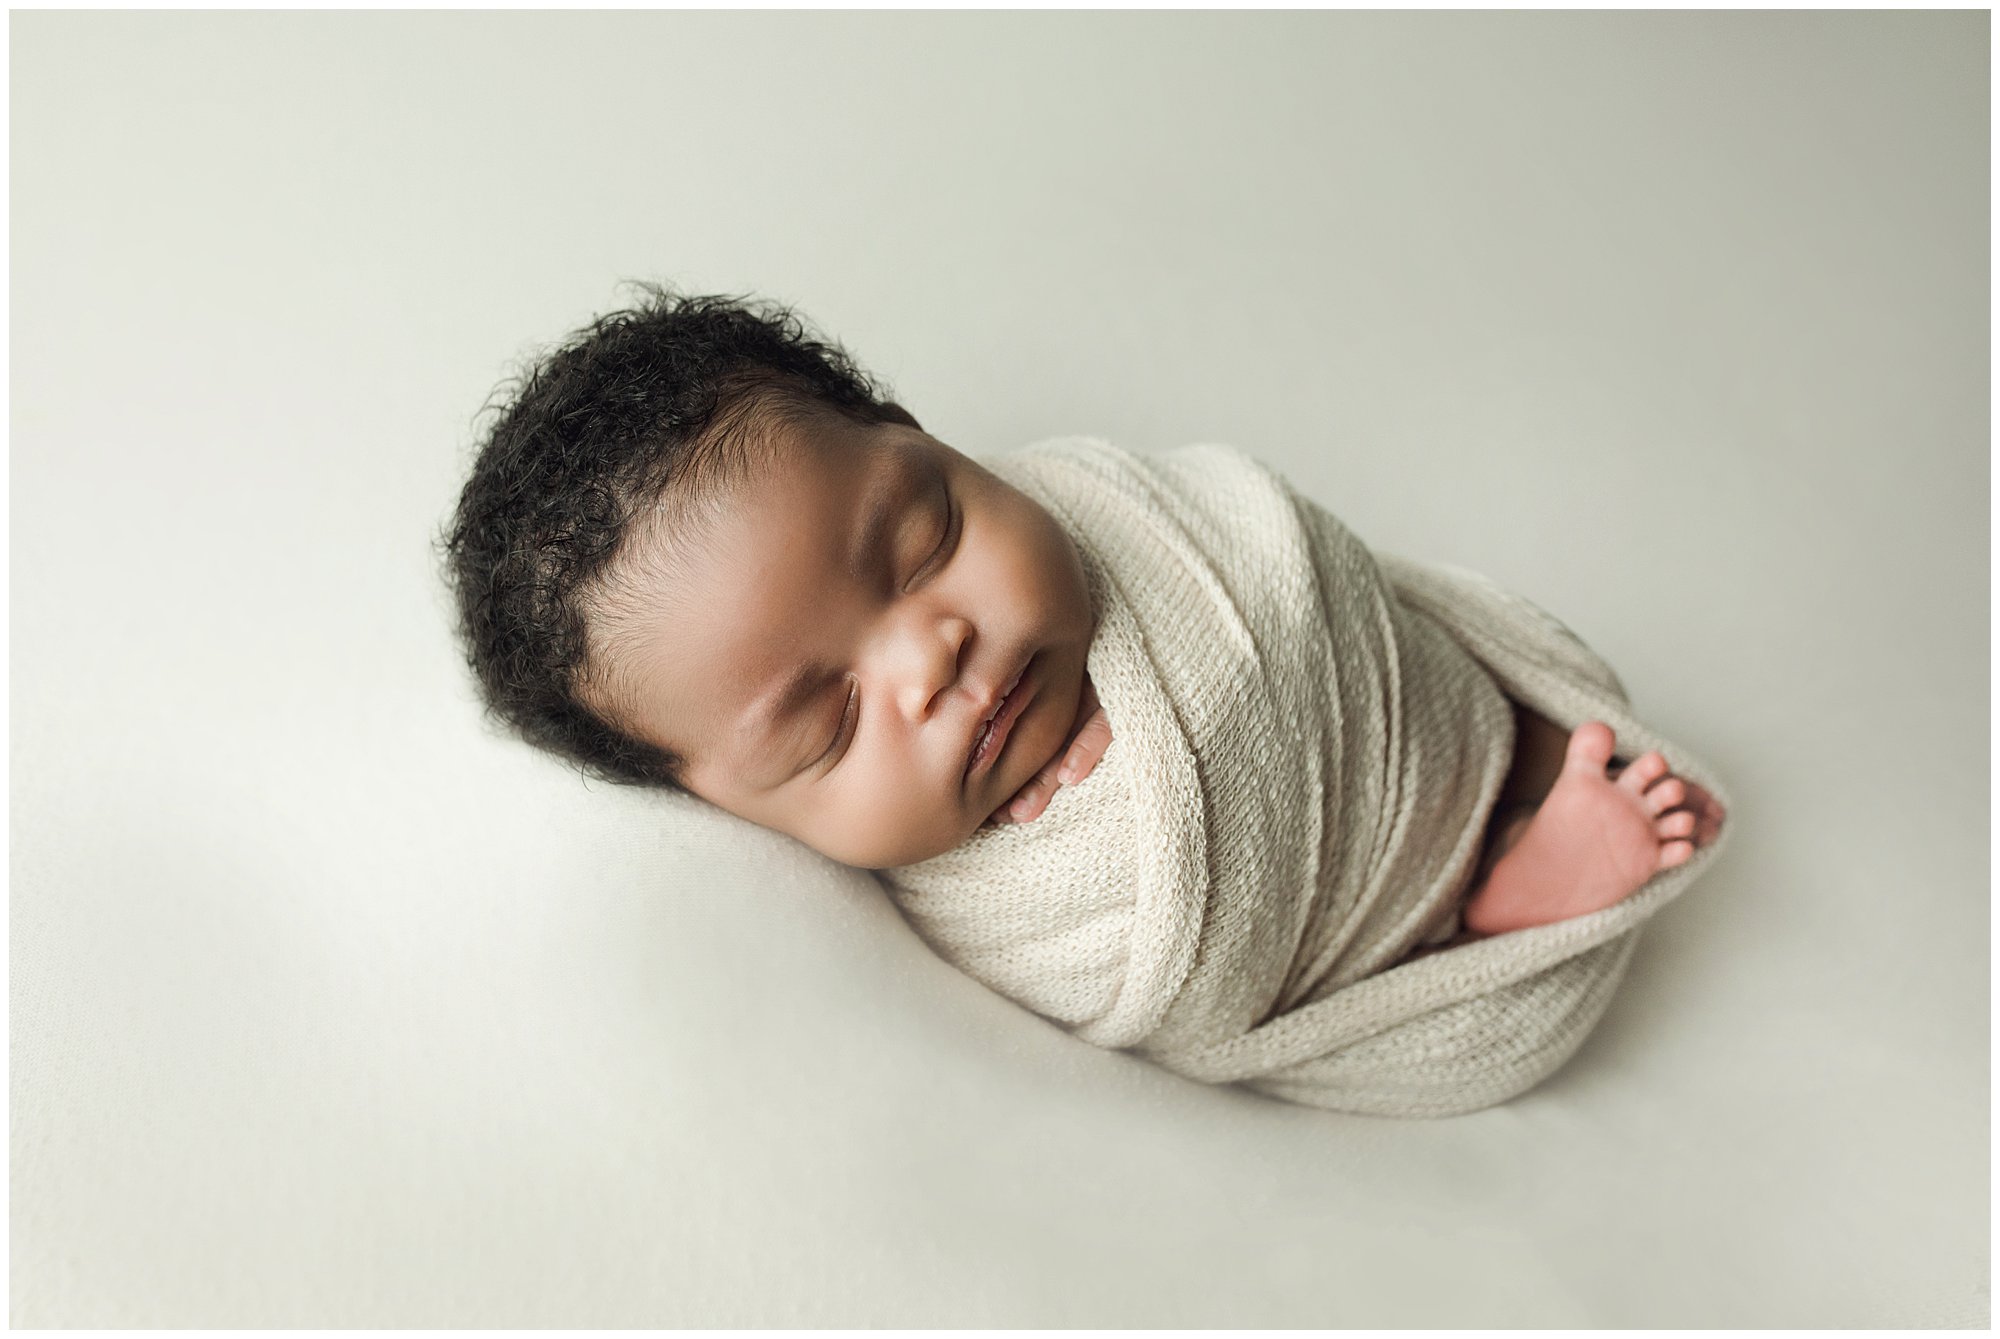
x,y
1308,741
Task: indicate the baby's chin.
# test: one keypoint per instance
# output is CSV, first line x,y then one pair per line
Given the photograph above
x,y
1039,738
1047,733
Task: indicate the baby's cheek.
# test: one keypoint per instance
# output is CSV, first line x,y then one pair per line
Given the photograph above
x,y
884,828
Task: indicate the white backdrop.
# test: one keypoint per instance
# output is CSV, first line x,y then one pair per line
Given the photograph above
x,y
329,1007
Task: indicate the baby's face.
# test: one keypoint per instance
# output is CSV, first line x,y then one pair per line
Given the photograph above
x,y
827,679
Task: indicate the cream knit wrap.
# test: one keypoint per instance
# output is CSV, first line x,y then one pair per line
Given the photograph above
x,y
1308,739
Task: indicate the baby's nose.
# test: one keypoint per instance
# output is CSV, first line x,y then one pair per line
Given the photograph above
x,y
931,658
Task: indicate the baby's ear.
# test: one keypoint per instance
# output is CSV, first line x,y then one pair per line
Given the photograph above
x,y
895,413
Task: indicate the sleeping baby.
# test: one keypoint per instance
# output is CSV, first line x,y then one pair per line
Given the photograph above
x,y
1151,745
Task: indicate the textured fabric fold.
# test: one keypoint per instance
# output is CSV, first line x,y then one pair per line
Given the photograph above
x,y
1308,740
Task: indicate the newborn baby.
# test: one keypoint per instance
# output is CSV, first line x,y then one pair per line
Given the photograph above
x,y
701,551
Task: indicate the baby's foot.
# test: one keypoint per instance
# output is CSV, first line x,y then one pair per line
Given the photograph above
x,y
1595,839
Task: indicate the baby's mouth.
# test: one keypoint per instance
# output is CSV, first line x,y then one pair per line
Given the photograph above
x,y
995,732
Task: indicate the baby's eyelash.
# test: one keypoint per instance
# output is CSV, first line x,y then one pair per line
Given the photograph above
x,y
831,757
840,731
944,541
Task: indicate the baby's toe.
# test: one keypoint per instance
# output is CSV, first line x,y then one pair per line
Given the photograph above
x,y
1590,746
1675,853
1680,823
1666,795
1642,773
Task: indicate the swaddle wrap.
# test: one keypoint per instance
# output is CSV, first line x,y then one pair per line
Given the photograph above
x,y
1308,740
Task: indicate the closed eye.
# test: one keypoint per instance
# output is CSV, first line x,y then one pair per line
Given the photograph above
x,y
840,732
947,541
944,544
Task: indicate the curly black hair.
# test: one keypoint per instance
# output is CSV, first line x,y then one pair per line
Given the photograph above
x,y
647,404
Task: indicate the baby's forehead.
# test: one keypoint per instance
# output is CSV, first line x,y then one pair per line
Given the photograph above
x,y
831,479
780,461
827,500
714,603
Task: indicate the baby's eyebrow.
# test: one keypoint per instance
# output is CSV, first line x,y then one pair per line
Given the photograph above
x,y
877,513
